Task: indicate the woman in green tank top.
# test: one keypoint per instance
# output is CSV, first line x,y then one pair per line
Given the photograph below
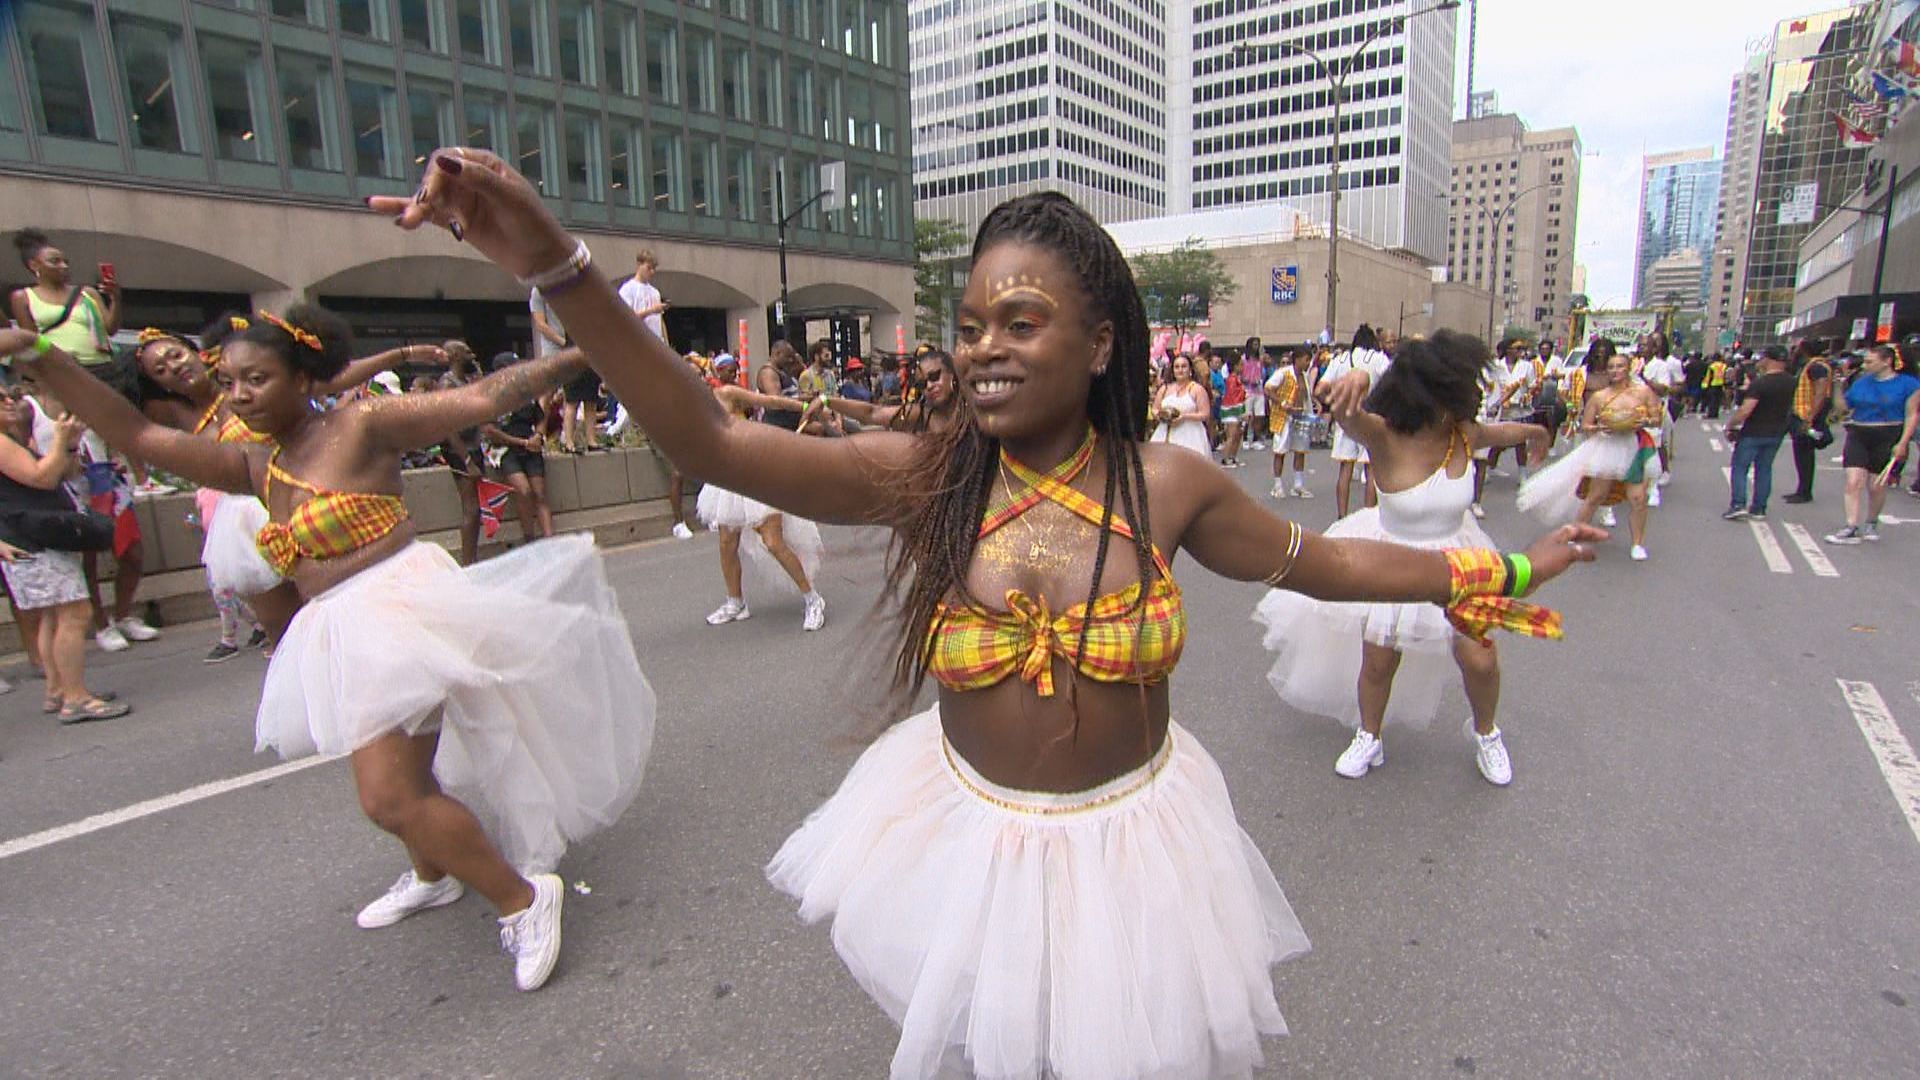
x,y
87,329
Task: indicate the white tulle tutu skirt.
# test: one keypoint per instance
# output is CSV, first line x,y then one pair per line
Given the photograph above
x,y
1317,642
719,507
1553,493
547,719
229,553
1120,933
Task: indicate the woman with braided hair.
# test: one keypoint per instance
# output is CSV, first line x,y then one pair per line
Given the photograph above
x,y
1042,874
934,409
484,749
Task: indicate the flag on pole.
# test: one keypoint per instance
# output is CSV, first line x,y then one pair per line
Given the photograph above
x,y
1905,57
493,502
1853,135
1888,89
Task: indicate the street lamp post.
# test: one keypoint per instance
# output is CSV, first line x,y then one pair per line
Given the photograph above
x,y
1496,283
1336,74
786,220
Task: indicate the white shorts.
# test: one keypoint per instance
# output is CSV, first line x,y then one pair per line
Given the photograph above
x,y
1295,436
1346,448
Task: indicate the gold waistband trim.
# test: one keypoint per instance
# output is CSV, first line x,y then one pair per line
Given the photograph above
x,y
1054,804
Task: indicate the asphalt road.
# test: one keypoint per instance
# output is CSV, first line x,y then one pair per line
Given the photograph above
x,y
1700,870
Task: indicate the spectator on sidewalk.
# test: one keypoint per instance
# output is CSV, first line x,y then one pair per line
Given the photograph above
x,y
1756,429
516,455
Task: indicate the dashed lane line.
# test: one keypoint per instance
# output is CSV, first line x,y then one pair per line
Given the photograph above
x,y
74,830
1718,446
1890,748
1810,550
1770,548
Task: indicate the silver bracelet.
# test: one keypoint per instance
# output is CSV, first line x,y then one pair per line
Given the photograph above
x,y
574,267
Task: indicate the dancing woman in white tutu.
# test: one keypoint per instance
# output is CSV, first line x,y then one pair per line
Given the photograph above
x,y
1418,427
776,543
1616,462
1042,875
1182,409
484,748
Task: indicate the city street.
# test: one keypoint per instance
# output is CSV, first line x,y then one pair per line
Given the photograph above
x,y
1702,869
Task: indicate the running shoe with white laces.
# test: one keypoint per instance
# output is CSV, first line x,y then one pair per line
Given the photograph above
x,y
532,937
816,613
1638,553
734,610
1278,491
1607,518
111,640
408,896
1363,753
133,628
681,532
1490,754
1847,536
1478,510
1870,532
1301,492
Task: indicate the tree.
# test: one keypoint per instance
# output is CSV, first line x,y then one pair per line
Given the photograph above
x,y
1181,286
934,242
1579,302
1517,332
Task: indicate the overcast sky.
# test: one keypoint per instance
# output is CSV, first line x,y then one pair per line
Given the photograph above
x,y
1635,77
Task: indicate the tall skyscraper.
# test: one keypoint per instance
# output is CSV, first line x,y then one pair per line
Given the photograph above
x,y
1800,153
1078,96
1011,96
1679,202
1740,159
1531,180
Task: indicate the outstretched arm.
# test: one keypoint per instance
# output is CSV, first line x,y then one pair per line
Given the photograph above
x,y
742,398
412,421
499,213
361,371
205,462
1493,436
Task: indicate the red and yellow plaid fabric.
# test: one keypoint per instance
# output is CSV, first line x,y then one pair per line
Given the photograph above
x,y
1803,389
327,525
1478,607
971,648
235,430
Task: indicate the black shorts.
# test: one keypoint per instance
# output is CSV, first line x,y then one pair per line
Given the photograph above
x,y
515,460
1870,447
583,388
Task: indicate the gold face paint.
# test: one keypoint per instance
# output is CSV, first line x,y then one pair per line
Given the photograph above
x,y
1024,286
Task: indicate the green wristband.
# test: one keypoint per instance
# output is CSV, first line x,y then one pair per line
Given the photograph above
x,y
1522,575
42,345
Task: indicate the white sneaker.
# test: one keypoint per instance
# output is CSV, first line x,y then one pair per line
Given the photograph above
x,y
134,629
1653,495
1279,491
1637,553
681,532
733,610
1490,753
111,640
1607,518
816,616
1363,753
1665,479
1478,510
408,896
1302,493
532,937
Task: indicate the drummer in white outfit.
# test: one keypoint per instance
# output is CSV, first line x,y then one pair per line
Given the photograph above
x,y
1418,430
1182,408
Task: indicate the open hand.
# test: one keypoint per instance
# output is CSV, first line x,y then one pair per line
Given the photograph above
x,y
479,198
1345,395
1553,553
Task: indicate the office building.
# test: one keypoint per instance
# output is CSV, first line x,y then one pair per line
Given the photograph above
x,y
218,153
1739,162
1514,193
1679,203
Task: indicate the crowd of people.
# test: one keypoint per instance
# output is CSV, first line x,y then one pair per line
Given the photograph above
x,y
999,867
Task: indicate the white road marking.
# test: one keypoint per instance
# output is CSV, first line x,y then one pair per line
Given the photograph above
x,y
1890,748
1810,551
1770,548
97,822
1727,471
1718,446
1889,519
1705,426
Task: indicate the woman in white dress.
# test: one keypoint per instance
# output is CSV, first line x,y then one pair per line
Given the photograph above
x,y
1182,408
1419,428
1617,462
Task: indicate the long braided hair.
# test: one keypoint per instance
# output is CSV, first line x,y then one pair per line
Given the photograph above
x,y
947,491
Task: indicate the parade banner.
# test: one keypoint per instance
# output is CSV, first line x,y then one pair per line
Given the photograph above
x,y
1623,328
1286,284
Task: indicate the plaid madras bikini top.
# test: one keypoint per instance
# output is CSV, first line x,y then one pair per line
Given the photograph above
x,y
327,525
1128,638
232,429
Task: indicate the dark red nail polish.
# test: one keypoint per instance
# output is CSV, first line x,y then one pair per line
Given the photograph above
x,y
458,232
450,165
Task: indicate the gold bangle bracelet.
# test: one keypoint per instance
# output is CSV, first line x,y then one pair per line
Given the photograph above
x,y
1294,535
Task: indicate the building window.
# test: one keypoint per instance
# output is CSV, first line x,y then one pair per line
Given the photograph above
x,y
860,204
310,111
828,108
699,84
663,61
486,121
533,145
307,11
621,164
238,99
586,167
368,18
576,40
770,180
65,63
736,81
880,33
886,209
373,109
430,114
669,173
799,94
153,68
701,169
770,14
479,23
740,193
769,71
622,53
423,24
527,33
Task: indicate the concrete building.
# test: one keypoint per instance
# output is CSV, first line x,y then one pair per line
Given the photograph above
x,y
1800,153
1527,183
1391,290
1679,206
1739,163
1673,280
217,153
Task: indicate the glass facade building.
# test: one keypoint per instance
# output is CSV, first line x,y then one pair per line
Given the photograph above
x,y
705,121
1679,206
